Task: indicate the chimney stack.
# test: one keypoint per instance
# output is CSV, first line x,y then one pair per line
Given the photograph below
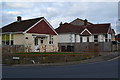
x,y
60,23
19,18
85,22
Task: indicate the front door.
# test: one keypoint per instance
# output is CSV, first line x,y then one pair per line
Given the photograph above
x,y
36,47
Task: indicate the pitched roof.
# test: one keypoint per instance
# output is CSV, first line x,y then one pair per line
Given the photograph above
x,y
20,26
98,28
94,28
69,28
79,22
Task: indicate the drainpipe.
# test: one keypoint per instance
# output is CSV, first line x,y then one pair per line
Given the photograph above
x,y
70,39
75,43
117,42
10,39
5,39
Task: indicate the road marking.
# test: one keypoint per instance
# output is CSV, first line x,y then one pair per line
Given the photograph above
x,y
114,58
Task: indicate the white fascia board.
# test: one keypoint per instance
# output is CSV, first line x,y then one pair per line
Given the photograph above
x,y
108,30
50,25
85,30
11,32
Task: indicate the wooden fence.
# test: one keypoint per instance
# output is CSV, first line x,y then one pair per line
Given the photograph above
x,y
88,47
10,49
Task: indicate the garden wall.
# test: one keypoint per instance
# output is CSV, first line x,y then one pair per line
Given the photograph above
x,y
45,58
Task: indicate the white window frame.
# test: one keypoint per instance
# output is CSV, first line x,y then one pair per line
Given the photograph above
x,y
51,41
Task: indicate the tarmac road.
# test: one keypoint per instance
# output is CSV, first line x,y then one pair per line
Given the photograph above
x,y
103,69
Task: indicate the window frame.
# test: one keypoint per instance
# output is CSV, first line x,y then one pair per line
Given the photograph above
x,y
8,39
95,38
51,39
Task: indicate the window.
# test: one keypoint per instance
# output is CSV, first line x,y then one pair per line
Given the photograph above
x,y
71,38
63,48
7,39
95,38
81,39
41,41
84,38
75,38
87,39
106,37
70,48
106,40
51,39
36,41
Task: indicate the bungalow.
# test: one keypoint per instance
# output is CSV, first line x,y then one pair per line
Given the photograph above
x,y
80,32
37,34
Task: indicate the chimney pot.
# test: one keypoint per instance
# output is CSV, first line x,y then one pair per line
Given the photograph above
x,y
60,23
19,18
85,22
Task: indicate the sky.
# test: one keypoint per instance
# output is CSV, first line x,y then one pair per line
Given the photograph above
x,y
56,12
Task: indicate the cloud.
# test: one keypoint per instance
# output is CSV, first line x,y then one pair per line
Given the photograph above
x,y
118,27
56,12
18,4
13,12
56,20
61,1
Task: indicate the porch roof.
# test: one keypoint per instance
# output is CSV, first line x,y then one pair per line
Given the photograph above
x,y
40,36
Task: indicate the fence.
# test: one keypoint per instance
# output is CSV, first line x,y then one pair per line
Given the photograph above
x,y
88,47
9,49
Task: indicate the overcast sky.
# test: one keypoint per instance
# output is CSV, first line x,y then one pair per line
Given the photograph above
x,y
56,12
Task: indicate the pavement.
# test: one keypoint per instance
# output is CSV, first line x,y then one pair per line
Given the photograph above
x,y
105,56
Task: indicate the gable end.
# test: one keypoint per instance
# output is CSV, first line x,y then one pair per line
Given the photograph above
x,y
85,32
41,27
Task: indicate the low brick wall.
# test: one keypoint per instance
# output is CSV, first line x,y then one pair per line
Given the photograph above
x,y
51,58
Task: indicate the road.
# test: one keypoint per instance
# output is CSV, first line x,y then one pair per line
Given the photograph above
x,y
103,69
